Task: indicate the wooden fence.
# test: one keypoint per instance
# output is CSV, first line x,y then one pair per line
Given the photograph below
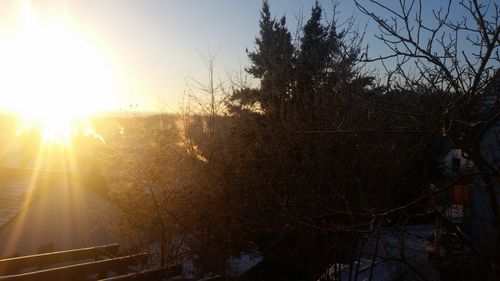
x,y
95,263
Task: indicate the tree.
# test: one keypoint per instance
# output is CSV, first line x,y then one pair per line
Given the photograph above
x,y
147,171
296,169
455,60
316,59
299,171
272,63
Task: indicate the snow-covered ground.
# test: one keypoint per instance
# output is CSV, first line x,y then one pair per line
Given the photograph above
x,y
391,254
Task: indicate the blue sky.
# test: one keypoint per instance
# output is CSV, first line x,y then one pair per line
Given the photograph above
x,y
165,41
156,44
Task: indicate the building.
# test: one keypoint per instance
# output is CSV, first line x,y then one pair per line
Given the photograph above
x,y
49,203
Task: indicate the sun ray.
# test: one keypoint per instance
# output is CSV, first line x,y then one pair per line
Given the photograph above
x,y
53,79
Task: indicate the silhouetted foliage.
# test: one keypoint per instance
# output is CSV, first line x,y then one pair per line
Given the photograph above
x,y
300,167
301,156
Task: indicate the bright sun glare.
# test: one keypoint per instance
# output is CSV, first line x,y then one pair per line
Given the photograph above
x,y
51,75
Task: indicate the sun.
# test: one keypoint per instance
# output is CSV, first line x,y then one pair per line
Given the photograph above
x,y
50,74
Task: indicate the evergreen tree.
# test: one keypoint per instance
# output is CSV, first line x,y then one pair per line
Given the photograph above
x,y
272,62
318,50
277,175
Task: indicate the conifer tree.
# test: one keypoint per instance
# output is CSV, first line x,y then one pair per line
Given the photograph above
x,y
272,62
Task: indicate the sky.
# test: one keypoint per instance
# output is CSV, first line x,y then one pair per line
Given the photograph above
x,y
152,46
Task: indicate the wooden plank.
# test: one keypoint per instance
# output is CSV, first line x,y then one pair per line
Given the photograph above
x,y
14,265
79,271
212,278
150,274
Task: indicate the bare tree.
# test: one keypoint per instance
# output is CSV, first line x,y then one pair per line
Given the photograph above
x,y
452,54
